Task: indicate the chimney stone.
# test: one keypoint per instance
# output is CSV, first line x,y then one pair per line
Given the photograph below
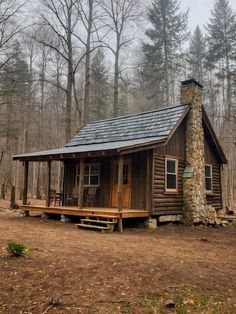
x,y
194,187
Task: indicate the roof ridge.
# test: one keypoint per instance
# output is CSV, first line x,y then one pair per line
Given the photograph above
x,y
136,114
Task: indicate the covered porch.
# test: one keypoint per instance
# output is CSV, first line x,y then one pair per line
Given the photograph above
x,y
122,180
88,211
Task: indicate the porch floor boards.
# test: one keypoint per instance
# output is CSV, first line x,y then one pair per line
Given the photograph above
x,y
90,212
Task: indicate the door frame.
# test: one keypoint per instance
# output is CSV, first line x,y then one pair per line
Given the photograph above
x,y
113,163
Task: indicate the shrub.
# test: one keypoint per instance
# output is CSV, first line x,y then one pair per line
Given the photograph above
x,y
16,249
200,299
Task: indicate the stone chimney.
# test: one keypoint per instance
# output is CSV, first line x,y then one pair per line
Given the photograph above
x,y
194,182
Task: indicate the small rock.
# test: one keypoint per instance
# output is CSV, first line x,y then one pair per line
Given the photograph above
x,y
204,239
224,222
170,304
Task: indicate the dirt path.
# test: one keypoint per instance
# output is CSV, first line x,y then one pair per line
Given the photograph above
x,y
139,271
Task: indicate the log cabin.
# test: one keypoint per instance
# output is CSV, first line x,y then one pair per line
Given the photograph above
x,y
157,164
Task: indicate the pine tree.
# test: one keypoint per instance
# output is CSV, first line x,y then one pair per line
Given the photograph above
x,y
14,94
99,88
196,55
166,35
221,38
14,90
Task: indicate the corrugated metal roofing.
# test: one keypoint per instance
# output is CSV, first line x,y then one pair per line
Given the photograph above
x,y
90,148
155,123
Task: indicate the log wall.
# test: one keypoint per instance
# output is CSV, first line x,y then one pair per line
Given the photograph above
x,y
214,199
165,203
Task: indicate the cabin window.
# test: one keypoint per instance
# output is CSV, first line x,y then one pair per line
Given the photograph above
x,y
171,170
208,178
91,175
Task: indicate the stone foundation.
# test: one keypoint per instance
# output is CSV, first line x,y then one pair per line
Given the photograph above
x,y
170,218
150,223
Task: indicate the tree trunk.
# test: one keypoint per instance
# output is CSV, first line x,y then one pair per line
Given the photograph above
x,y
116,79
70,77
87,65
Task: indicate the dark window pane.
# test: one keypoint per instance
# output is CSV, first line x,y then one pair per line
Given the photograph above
x,y
94,180
94,169
171,166
171,181
86,180
208,171
86,170
208,184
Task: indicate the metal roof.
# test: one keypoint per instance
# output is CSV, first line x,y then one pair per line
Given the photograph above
x,y
155,123
120,133
90,148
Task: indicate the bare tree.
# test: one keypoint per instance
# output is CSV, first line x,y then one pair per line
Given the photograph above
x,y
61,19
119,14
10,27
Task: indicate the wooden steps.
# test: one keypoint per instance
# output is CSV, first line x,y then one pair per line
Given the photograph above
x,y
98,224
98,221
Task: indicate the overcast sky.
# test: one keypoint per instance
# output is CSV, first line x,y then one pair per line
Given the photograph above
x,y
199,11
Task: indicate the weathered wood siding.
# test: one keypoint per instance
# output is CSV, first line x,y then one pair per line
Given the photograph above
x,y
103,196
69,175
105,183
139,172
210,158
163,202
166,203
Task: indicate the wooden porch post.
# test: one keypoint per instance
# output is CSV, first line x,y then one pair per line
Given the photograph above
x,y
25,190
120,194
64,184
81,182
148,181
48,183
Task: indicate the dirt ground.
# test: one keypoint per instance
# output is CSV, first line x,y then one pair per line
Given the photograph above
x,y
172,269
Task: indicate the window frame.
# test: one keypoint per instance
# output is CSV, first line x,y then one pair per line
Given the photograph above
x,y
211,178
89,175
169,190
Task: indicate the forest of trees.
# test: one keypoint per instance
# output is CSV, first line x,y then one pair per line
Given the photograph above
x,y
64,63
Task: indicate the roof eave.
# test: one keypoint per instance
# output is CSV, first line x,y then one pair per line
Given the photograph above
x,y
180,120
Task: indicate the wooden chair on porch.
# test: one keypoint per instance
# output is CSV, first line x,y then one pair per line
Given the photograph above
x,y
52,196
55,198
90,197
72,199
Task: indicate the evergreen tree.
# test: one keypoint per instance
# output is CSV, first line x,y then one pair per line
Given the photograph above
x,y
99,88
166,35
196,55
221,38
14,91
14,95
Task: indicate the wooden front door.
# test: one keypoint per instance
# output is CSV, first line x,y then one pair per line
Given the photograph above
x,y
126,188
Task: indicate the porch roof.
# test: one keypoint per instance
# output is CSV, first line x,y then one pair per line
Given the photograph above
x,y
66,152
